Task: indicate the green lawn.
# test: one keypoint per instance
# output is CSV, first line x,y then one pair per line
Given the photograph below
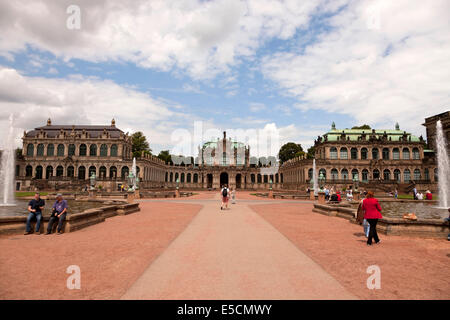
x,y
20,194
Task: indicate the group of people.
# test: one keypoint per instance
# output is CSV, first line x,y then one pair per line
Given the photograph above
x,y
59,212
336,196
226,194
419,196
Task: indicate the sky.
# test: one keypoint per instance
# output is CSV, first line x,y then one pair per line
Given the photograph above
x,y
255,66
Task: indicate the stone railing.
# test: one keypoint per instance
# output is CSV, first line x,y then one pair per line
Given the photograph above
x,y
426,228
74,222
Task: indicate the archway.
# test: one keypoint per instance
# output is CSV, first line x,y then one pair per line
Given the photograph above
x,y
238,181
223,179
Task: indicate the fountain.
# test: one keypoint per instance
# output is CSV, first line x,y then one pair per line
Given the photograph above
x,y
133,175
443,167
7,169
315,181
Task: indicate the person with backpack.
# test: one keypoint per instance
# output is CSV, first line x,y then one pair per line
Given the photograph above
x,y
225,193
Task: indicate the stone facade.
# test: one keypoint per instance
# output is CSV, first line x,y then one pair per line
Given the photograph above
x,y
430,124
378,159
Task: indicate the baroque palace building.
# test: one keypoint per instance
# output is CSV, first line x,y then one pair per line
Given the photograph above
x,y
64,157
378,159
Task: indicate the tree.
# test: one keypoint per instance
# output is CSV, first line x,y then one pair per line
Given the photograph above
x,y
364,126
165,156
140,144
311,153
289,151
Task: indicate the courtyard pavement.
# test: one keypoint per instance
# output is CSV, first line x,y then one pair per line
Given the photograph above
x,y
234,254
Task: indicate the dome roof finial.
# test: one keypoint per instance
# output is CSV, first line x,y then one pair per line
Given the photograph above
x,y
333,126
113,123
397,126
49,122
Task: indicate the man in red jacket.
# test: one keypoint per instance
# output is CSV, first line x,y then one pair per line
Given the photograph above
x,y
372,212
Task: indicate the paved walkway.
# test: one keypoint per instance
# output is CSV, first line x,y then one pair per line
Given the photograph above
x,y
234,254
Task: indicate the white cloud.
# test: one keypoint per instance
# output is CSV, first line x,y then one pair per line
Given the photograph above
x,y
203,38
257,107
382,62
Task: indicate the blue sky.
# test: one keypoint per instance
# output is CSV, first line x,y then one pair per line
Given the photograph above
x,y
159,66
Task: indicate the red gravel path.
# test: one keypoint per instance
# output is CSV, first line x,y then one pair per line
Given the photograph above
x,y
111,255
411,268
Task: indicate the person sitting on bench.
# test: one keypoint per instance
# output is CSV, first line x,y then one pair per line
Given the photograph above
x,y
59,212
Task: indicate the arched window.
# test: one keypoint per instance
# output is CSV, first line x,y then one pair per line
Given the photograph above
x,y
277,178
182,177
83,150
195,178
364,153
397,175
50,150
113,172
71,150
396,154
61,149
426,174
92,170
281,177
70,171
344,174
114,150
103,150
417,174
385,154
259,178
48,172
376,174
365,175
82,173
266,178
39,172
125,172
93,150
406,153
188,178
102,172
252,178
406,175
166,177
354,153
310,174
176,176
416,154
30,150
28,171
171,177
375,153
333,153
59,171
40,150
386,175
334,174
344,153
17,170
436,176
355,174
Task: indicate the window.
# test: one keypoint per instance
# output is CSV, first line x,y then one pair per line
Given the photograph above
x,y
385,154
30,150
386,175
71,150
417,174
364,153
375,153
344,174
436,176
83,150
195,178
113,172
49,172
252,177
310,174
70,171
416,154
82,173
39,172
406,153
102,172
354,153
40,150
266,179
59,171
376,174
182,177
29,171
61,150
259,178
93,150
406,175
396,154
344,153
334,174
426,174
114,150
50,150
92,170
355,174
365,175
171,177
103,150
125,172
333,153
397,175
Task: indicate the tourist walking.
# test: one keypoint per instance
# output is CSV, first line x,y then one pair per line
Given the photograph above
x,y
225,194
396,194
415,193
59,212
361,220
35,208
372,212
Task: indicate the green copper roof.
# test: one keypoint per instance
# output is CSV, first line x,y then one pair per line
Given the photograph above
x,y
213,144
